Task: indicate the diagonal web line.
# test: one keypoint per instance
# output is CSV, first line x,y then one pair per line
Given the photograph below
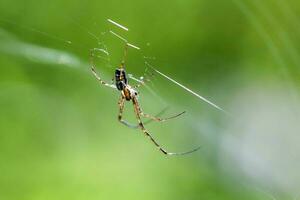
x,y
187,89
118,25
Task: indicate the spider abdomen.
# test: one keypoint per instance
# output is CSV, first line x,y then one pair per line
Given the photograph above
x,y
127,94
121,79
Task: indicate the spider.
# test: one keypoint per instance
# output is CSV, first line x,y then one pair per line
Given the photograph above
x,y
130,93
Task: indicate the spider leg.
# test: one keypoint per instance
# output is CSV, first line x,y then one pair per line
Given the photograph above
x,y
141,125
92,55
157,115
120,116
160,119
157,118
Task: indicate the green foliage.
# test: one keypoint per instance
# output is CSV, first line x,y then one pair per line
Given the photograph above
x,y
59,134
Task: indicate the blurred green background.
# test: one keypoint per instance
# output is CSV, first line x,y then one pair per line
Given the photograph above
x,y
59,134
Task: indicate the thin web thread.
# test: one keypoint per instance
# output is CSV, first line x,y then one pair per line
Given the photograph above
x,y
187,89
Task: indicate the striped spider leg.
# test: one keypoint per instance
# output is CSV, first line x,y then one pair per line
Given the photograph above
x,y
138,113
151,118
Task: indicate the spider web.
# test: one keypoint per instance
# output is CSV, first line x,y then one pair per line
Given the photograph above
x,y
111,37
149,66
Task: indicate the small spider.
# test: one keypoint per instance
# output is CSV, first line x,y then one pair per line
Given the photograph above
x,y
130,93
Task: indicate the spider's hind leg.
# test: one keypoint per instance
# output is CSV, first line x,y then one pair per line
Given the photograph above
x,y
160,119
141,125
120,116
157,118
134,126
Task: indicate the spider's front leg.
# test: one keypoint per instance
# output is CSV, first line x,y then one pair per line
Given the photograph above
x,y
92,56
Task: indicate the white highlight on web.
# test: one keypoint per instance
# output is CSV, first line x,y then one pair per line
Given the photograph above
x,y
118,25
